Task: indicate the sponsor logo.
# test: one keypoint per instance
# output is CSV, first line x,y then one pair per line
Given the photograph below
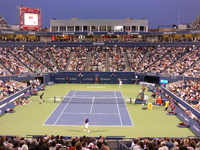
x,y
152,74
169,32
98,43
7,32
165,75
105,79
123,79
87,78
133,33
90,33
31,32
195,31
72,78
59,78
21,76
110,33
68,33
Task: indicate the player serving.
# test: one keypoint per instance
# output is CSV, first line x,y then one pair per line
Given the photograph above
x,y
86,124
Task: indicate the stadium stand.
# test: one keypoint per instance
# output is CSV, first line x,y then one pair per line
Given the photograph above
x,y
29,61
43,142
193,71
61,57
117,60
196,23
188,91
3,23
79,59
163,60
98,59
135,57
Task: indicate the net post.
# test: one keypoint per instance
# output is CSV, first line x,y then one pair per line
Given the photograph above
x,y
130,100
54,99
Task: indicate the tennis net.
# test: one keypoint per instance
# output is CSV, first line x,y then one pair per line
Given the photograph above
x,y
92,100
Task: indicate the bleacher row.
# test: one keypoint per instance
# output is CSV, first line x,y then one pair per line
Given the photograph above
x,y
164,60
188,112
57,142
3,23
19,96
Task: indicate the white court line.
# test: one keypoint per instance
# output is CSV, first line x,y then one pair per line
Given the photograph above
x,y
115,96
92,104
64,108
82,96
90,125
118,110
54,110
128,111
92,113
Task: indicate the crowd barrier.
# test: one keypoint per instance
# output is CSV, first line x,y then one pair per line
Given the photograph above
x,y
192,123
9,102
104,77
182,102
112,77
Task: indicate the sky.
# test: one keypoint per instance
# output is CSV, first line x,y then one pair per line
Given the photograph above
x,y
157,12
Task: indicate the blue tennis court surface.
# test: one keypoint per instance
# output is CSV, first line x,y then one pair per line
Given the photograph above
x,y
103,108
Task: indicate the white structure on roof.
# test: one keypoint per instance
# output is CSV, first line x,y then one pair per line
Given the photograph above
x,y
99,25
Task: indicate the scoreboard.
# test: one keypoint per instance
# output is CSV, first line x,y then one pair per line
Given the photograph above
x,y
30,18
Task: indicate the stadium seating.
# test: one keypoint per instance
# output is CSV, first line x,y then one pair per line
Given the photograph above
x,y
41,142
163,60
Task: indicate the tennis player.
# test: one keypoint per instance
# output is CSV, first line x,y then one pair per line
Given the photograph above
x,y
86,124
120,83
41,98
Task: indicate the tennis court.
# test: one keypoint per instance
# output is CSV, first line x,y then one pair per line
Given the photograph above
x,y
104,108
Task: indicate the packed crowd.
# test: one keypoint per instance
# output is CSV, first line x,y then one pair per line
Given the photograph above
x,y
11,63
184,63
194,70
189,91
135,56
8,88
3,71
42,55
3,23
173,103
79,59
153,55
61,57
171,55
117,59
179,39
95,143
29,60
164,60
165,144
98,59
53,143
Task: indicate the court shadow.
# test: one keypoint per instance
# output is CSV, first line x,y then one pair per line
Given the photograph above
x,y
73,130
93,131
